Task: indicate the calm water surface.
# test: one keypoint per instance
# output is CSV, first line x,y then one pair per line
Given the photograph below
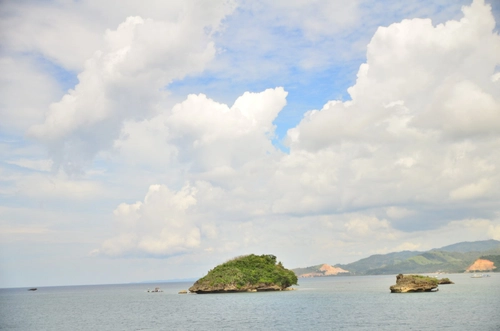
x,y
340,303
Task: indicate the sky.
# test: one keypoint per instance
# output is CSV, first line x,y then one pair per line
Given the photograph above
x,y
156,139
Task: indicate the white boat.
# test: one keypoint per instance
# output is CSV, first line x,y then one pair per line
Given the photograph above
x,y
156,290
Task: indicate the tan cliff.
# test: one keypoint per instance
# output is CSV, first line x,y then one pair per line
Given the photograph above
x,y
481,265
324,270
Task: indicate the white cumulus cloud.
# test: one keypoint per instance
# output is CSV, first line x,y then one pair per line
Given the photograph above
x,y
421,125
159,226
123,80
400,159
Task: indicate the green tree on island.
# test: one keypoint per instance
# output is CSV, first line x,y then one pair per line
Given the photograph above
x,y
246,273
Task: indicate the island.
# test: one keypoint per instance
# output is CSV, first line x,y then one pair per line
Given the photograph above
x,y
248,273
414,283
445,281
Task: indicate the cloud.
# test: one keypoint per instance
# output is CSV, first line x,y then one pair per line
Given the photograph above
x,y
159,226
23,230
467,229
221,144
396,212
173,123
38,165
471,191
212,135
60,187
396,162
23,88
494,231
53,29
123,81
207,135
69,33
422,121
362,226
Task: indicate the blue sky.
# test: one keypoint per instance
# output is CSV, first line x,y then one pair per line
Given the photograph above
x,y
155,140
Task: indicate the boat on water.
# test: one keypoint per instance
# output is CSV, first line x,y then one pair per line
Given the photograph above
x,y
474,275
32,289
156,290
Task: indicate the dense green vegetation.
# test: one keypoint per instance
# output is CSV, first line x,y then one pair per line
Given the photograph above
x,y
377,261
432,261
427,279
250,269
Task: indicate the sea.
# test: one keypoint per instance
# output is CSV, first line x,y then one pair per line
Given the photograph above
x,y
326,303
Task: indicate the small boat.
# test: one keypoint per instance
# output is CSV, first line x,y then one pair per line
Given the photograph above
x,y
474,275
156,290
32,289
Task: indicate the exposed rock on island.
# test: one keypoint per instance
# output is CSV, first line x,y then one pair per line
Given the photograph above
x,y
481,265
320,270
249,273
414,283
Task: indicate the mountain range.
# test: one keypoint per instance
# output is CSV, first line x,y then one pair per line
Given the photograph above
x,y
448,259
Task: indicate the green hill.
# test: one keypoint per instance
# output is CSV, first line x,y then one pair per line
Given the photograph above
x,y
432,261
475,246
452,258
377,261
246,273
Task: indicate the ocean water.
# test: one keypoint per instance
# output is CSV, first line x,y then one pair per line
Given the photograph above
x,y
332,303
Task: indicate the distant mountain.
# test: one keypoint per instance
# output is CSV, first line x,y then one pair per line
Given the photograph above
x,y
431,261
377,261
453,258
475,246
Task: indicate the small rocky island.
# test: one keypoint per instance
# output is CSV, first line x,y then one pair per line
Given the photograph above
x,y
415,283
249,273
445,281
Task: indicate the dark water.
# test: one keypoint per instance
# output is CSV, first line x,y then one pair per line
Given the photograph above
x,y
342,303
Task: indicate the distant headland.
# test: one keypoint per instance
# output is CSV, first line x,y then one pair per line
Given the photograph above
x,y
482,256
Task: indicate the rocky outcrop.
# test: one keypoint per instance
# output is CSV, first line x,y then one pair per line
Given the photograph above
x,y
481,265
414,283
445,281
201,288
